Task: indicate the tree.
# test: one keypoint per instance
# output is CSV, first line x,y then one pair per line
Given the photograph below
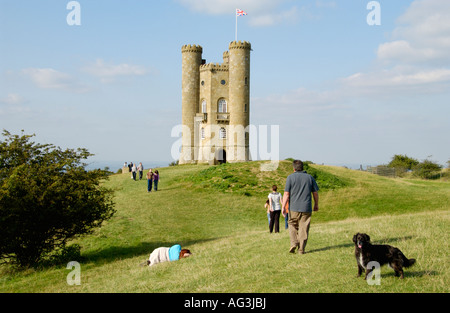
x,y
47,198
403,161
427,169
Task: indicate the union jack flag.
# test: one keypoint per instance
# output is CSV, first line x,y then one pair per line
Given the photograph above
x,y
240,12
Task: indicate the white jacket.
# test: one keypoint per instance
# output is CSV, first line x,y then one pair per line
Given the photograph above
x,y
159,255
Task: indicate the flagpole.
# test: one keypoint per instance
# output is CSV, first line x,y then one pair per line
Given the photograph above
x,y
238,13
236,23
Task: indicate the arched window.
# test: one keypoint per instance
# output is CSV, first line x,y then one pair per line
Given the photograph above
x,y
222,107
204,106
203,133
222,133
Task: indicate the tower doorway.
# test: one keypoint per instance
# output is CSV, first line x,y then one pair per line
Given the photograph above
x,y
221,156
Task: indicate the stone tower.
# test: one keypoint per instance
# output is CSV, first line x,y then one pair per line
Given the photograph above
x,y
192,59
239,72
216,106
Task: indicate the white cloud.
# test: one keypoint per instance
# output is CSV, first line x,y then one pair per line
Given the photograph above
x,y
13,99
48,78
218,7
260,12
108,72
13,104
402,51
398,77
417,59
422,35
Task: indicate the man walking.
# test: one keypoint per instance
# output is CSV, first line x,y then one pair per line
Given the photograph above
x,y
297,193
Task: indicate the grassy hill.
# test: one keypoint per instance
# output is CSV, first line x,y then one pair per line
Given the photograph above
x,y
218,212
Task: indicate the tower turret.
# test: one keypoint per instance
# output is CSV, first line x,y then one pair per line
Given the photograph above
x,y
190,98
239,101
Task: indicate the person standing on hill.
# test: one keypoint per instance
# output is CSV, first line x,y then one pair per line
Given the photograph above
x,y
140,168
267,206
149,180
285,213
133,172
156,179
275,209
297,193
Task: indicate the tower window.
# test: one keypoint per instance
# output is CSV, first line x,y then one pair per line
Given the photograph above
x,y
245,108
246,81
204,106
203,133
223,133
223,82
222,107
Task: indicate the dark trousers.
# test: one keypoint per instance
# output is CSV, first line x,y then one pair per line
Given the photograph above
x,y
149,184
275,221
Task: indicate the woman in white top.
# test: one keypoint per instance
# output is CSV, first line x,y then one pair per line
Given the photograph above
x,y
275,209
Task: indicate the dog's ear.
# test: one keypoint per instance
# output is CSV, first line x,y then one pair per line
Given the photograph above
x,y
367,237
354,237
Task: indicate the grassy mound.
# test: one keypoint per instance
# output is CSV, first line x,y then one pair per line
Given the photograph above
x,y
248,179
227,231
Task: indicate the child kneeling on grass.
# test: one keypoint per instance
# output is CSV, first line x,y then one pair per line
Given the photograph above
x,y
164,254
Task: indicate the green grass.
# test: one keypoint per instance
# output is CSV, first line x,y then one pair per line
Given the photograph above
x,y
250,180
226,229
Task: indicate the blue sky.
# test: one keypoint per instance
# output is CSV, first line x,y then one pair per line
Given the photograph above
x,y
342,92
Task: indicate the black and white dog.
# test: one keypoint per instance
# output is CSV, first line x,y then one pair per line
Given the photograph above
x,y
366,252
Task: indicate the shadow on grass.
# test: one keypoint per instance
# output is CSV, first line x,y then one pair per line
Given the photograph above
x,y
410,274
351,244
115,253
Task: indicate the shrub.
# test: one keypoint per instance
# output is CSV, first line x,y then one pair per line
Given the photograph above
x,y
428,170
402,164
46,199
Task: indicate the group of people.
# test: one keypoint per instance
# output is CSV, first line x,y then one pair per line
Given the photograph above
x,y
152,177
133,169
295,205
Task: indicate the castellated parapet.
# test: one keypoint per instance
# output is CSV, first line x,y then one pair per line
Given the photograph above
x,y
245,45
214,67
216,105
192,48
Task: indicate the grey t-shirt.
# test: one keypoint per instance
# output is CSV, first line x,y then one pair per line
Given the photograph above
x,y
300,185
276,200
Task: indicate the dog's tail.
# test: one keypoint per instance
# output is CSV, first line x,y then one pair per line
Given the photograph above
x,y
408,262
